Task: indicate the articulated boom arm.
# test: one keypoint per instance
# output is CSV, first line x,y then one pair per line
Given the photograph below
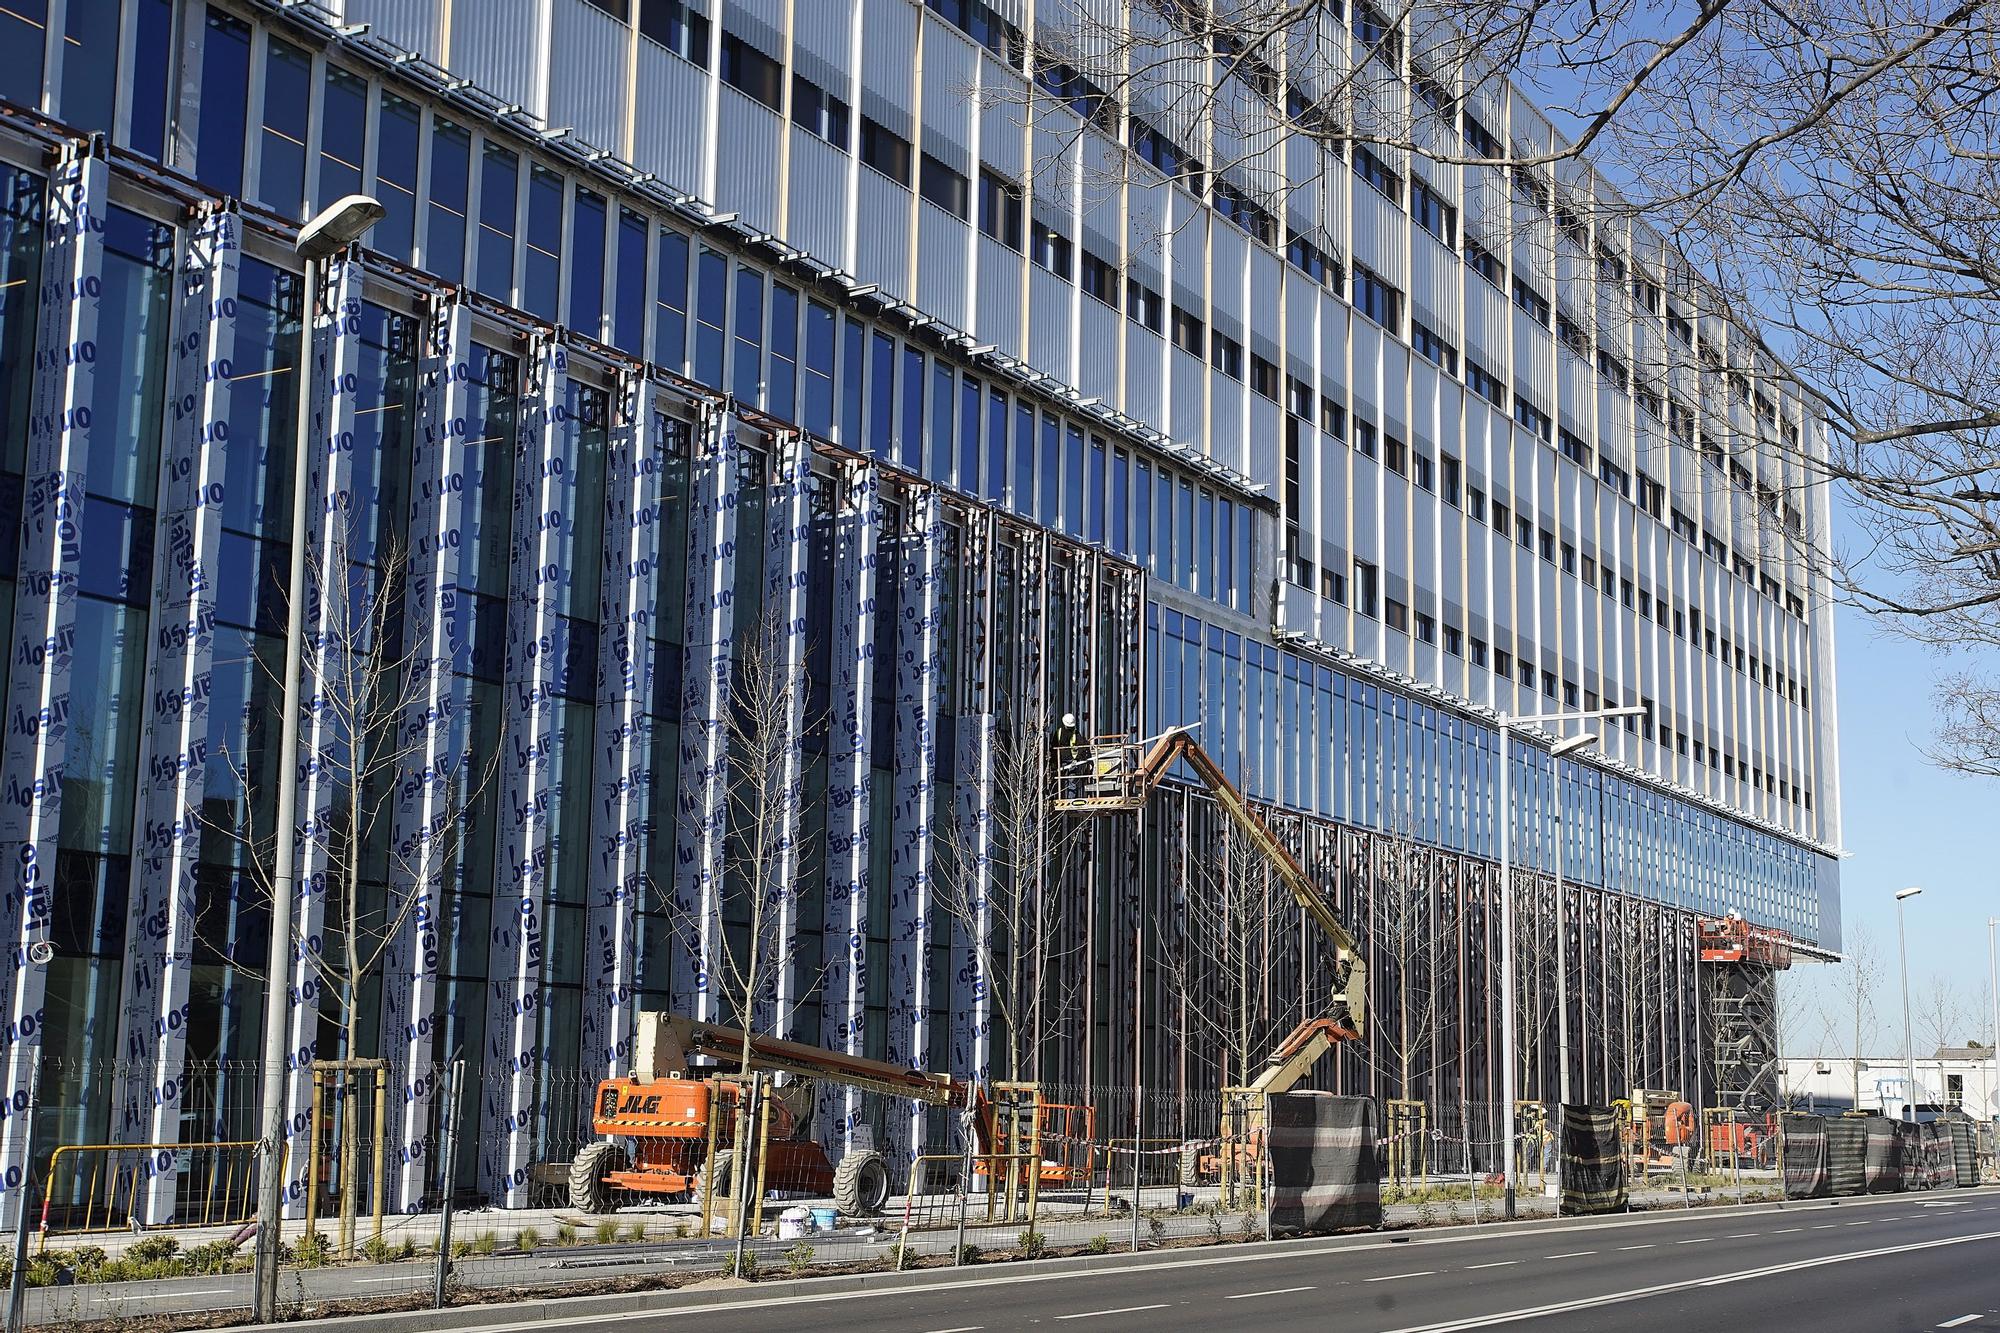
x,y
668,1043
1180,744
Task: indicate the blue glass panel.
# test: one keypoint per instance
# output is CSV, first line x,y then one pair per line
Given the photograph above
x,y
225,98
629,297
281,149
747,375
398,127
586,264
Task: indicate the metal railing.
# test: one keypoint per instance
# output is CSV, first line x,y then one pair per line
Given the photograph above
x,y
98,1188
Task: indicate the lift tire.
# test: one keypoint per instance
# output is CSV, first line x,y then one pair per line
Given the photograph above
x,y
1190,1163
589,1191
860,1184
724,1172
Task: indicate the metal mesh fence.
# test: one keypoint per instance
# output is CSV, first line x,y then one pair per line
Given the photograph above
x,y
642,1185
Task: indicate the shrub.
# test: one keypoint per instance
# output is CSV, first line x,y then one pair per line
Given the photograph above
x,y
637,1231
748,1272
312,1251
1156,1225
218,1256
527,1238
1032,1244
565,1234
149,1249
1099,1244
607,1232
486,1243
968,1253
799,1257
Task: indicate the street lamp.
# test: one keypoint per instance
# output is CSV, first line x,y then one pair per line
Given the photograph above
x,y
1993,994
1509,1127
329,232
1568,745
1909,1047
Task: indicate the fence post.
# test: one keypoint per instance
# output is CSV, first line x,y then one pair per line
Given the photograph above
x,y
1465,1136
17,1284
450,1182
745,1117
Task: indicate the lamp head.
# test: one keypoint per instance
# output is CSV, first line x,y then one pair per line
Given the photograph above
x,y
1907,893
1571,744
338,226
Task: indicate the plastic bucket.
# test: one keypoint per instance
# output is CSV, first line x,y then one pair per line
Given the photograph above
x,y
823,1219
792,1223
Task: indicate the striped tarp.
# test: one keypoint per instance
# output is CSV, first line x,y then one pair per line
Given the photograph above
x,y
1940,1171
1847,1155
1323,1171
1803,1146
1965,1153
1592,1167
1911,1140
1884,1165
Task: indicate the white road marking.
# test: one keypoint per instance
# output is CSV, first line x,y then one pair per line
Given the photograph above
x,y
1123,1309
411,1279
1698,1240
1826,1226
1275,1291
1962,1319
962,1328
1649,1245
1503,1263
1786,1231
1742,1235
1427,1272
1690,1284
1569,1254
205,1291
1864,1222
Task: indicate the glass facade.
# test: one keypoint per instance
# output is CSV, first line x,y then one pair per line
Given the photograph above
x,y
565,541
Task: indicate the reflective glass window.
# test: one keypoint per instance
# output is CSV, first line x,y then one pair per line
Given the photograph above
x,y
225,98
128,390
910,436
541,276
586,264
943,406
23,35
343,136
781,393
853,400
821,326
154,32
492,415
499,186
996,446
90,63
281,141
399,125
450,185
629,295
747,374
262,406
711,317
882,395
670,301
969,405
21,220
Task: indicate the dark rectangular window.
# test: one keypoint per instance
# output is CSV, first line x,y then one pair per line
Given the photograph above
x,y
628,308
1144,306
670,301
1310,260
1189,334
586,264
1432,213
1234,205
853,396
1024,458
1051,249
886,151
1478,138
1364,587
1533,302
711,316
1225,354
996,446
343,135
674,25
1534,418
1264,377
819,112
971,396
1000,209
821,327
281,142
1481,261
541,279
782,375
750,71
155,32
445,217
1378,173
978,21
1166,156
882,395
1376,299
937,450
398,127
499,184
1432,347
1100,279
1376,32
1048,507
747,375
941,185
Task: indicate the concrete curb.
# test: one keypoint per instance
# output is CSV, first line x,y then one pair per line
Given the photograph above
x,y
570,1308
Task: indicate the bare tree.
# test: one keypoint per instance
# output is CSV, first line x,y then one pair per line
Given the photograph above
x,y
1220,953
1940,1015
1854,986
1014,901
363,684
1414,912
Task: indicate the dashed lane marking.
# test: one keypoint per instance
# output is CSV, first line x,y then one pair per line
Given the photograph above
x,y
1501,1263
1426,1272
1962,1319
1569,1254
1123,1309
1275,1291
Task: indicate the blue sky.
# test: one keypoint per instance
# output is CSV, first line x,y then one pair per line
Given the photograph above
x,y
1906,821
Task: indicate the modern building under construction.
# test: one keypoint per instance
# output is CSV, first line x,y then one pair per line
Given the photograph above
x,y
699,335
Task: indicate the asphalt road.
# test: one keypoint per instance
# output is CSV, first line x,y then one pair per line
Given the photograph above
x,y
1908,1263
1914,1261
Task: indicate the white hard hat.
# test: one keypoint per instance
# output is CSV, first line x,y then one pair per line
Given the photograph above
x,y
1069,719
